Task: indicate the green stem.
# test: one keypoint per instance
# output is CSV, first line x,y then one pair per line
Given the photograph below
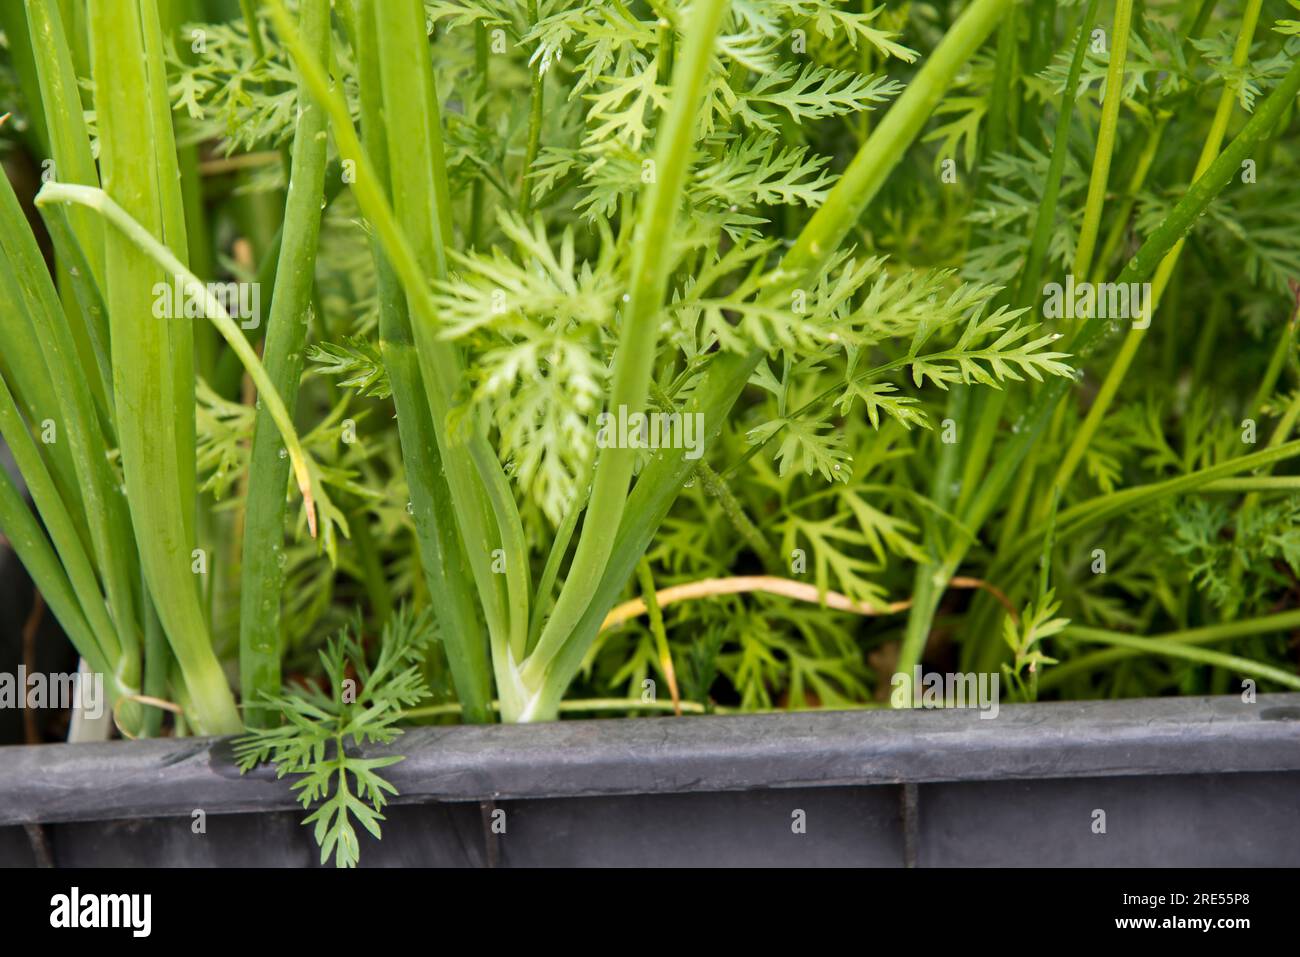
x,y
1105,139
136,234
69,139
1045,221
24,534
442,554
888,144
62,531
1223,631
1124,358
262,576
1094,511
1175,646
726,376
537,97
634,357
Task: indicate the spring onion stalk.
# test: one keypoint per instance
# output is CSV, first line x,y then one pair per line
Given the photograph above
x,y
518,682
262,575
537,96
451,587
69,139
158,520
371,196
485,507
171,206
28,540
144,380
75,422
61,528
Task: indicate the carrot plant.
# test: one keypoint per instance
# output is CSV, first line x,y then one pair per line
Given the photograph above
x,y
674,356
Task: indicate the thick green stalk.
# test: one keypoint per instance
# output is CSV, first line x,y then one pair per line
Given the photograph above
x,y
543,598
62,530
1004,74
491,527
1263,483
475,232
1120,223
83,295
69,139
656,489
24,534
927,584
262,577
248,8
144,383
635,354
171,205
158,662
76,422
450,584
191,287
22,359
472,509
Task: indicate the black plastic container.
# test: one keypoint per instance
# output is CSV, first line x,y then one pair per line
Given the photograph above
x,y
1171,781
